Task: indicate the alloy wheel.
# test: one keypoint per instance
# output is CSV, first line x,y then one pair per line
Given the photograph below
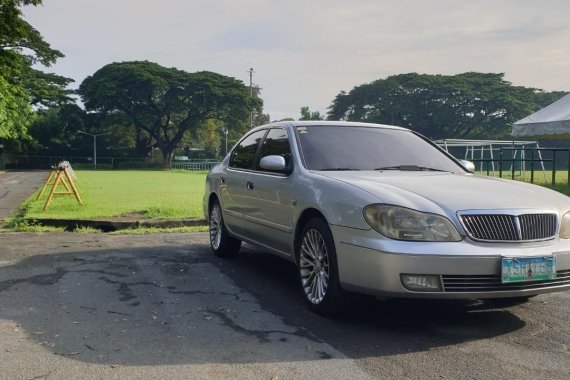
x,y
314,266
216,226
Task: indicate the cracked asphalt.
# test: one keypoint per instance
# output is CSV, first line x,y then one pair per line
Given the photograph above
x,y
97,306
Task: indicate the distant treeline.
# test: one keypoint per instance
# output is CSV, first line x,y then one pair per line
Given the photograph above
x,y
141,109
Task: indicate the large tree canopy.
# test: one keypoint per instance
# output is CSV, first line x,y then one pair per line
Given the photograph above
x,y
165,103
22,85
469,105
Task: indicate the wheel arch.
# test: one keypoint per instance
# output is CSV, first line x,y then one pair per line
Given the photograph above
x,y
213,196
305,216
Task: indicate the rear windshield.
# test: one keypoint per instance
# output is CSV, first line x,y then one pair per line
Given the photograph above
x,y
366,148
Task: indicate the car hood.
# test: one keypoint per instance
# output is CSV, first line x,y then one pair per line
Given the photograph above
x,y
450,192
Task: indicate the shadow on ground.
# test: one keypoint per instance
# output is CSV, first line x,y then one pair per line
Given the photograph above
x,y
174,305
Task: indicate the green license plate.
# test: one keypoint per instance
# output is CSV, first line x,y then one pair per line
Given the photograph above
x,y
521,269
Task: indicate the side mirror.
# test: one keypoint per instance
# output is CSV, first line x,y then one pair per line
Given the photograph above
x,y
468,165
273,163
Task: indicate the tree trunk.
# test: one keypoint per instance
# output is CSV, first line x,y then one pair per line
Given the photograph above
x,y
142,143
167,155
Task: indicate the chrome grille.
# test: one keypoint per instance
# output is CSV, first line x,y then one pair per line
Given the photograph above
x,y
537,226
492,283
505,227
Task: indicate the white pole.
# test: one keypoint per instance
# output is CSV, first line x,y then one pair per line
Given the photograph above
x,y
94,146
95,151
492,159
251,94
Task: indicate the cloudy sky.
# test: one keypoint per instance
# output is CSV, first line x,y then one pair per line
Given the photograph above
x,y
306,52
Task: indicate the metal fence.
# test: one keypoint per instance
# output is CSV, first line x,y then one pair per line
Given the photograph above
x,y
194,165
21,161
534,165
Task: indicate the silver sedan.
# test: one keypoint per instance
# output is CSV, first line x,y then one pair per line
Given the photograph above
x,y
381,210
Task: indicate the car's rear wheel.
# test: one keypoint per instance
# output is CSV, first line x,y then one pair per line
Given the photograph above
x,y
222,244
317,268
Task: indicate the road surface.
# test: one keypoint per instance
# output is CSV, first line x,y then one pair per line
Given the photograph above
x,y
98,306
16,187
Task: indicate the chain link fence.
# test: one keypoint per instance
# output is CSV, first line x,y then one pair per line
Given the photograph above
x,y
29,162
194,165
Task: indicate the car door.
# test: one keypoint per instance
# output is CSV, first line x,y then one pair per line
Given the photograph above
x,y
233,186
268,204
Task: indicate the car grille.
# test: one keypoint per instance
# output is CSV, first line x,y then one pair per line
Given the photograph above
x,y
504,227
492,283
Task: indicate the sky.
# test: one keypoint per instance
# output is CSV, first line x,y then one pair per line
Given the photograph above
x,y
305,52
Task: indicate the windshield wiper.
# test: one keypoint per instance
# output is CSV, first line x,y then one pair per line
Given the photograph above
x,y
411,168
337,169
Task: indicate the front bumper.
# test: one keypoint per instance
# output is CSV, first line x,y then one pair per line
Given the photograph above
x,y
370,263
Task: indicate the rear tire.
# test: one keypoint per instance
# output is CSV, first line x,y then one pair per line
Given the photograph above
x,y
318,269
222,244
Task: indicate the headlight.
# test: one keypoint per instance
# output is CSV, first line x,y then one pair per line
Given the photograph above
x,y
406,224
565,226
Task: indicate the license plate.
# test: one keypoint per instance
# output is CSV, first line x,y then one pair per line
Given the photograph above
x,y
521,269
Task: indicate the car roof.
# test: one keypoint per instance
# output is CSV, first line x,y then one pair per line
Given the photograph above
x,y
308,123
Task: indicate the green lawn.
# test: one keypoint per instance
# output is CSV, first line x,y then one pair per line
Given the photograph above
x,y
155,194
540,177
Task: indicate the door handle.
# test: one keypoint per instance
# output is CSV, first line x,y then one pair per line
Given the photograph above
x,y
249,185
223,180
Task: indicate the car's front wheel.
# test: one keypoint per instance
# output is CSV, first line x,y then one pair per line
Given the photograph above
x,y
222,244
317,268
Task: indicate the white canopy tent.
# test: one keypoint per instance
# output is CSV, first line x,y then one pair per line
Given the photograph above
x,y
551,120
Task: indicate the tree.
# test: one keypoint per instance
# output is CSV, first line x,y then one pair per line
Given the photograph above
x,y
165,103
21,85
469,105
209,137
15,111
54,131
259,118
306,114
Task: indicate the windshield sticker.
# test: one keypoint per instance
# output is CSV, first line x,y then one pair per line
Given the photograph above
x,y
302,130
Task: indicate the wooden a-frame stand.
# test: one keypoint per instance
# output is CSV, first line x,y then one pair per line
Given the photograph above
x,y
62,176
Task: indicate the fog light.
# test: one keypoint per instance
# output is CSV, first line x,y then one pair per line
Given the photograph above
x,y
421,282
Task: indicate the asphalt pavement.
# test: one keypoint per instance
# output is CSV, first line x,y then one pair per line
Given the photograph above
x,y
16,187
99,306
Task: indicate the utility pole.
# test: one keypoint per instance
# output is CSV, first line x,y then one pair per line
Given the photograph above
x,y
250,71
226,133
94,146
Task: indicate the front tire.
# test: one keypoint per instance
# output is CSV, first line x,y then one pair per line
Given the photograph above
x,y
222,244
317,268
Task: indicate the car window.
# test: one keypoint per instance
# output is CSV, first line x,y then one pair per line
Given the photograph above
x,y
277,144
364,148
243,155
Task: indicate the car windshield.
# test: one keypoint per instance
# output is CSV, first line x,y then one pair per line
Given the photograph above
x,y
368,148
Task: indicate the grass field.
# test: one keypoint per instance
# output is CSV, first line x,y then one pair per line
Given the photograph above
x,y
540,177
154,194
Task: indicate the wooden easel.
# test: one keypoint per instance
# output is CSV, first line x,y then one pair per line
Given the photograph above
x,y
62,176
